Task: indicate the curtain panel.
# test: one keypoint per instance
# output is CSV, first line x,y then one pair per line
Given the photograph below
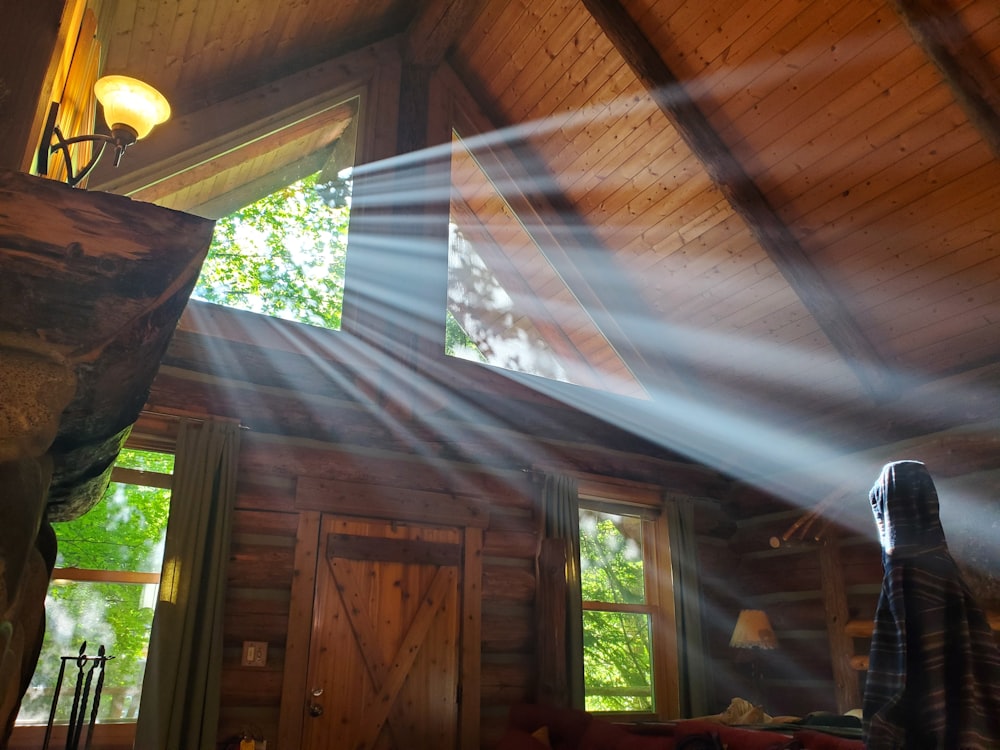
x,y
559,600
687,606
179,708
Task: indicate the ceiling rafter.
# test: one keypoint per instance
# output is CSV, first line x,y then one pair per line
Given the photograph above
x,y
743,194
433,31
553,223
939,31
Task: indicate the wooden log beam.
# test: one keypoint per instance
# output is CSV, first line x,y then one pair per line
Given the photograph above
x,y
434,30
500,436
937,27
924,409
96,283
743,195
841,645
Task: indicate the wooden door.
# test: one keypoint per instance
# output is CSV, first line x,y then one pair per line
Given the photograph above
x,y
384,651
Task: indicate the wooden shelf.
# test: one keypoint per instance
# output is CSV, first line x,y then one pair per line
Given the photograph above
x,y
865,628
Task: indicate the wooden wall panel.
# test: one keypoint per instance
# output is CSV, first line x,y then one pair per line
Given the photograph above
x,y
787,581
34,67
784,579
259,577
262,569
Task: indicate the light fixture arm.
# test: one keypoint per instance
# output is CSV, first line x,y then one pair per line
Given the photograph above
x,y
121,138
131,109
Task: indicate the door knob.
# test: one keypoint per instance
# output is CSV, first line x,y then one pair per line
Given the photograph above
x,y
314,708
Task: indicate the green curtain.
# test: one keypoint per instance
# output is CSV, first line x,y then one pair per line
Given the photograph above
x,y
179,709
687,606
561,520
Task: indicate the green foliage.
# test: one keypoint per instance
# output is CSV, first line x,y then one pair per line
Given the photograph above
x,y
162,463
611,558
284,255
617,662
616,645
458,343
115,615
124,531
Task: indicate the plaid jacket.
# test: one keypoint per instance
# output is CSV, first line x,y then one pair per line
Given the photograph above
x,y
934,669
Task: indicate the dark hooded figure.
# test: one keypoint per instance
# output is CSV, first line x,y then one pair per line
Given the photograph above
x,y
934,670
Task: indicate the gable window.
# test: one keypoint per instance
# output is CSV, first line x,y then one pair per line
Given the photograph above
x,y
104,589
509,304
283,255
627,603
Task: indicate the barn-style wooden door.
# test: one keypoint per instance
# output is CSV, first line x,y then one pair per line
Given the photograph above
x,y
384,653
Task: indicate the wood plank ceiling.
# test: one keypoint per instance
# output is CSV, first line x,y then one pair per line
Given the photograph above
x,y
795,199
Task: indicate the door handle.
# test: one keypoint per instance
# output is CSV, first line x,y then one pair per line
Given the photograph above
x,y
315,709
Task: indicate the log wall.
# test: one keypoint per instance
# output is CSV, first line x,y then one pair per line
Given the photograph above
x,y
319,419
808,609
261,569
330,442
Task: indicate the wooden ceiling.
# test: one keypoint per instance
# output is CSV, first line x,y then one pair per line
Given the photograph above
x,y
788,208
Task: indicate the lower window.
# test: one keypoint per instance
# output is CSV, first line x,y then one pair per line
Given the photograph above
x,y
103,591
622,618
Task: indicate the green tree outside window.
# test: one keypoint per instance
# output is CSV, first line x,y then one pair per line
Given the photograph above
x,y
617,651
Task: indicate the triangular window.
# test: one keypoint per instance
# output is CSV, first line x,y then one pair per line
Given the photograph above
x,y
506,294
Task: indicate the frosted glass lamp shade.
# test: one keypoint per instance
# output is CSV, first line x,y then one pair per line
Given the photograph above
x,y
131,103
753,630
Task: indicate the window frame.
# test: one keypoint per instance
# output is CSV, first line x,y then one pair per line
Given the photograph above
x,y
646,503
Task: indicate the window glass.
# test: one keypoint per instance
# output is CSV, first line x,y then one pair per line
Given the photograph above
x,y
104,591
124,531
617,617
611,566
617,661
284,255
508,302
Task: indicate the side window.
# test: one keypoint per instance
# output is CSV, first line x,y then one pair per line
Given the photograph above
x,y
621,612
104,590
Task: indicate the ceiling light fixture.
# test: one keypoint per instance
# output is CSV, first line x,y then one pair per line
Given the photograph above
x,y
131,109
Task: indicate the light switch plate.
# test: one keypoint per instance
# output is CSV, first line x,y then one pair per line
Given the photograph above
x,y
254,654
